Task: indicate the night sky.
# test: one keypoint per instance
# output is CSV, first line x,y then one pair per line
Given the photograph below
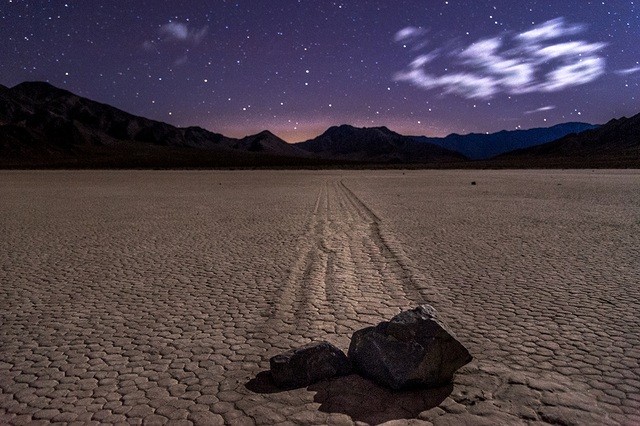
x,y
422,67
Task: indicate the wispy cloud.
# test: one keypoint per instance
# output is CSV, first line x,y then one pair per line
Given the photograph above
x,y
181,60
627,71
549,30
575,74
532,61
408,33
573,48
176,32
467,85
541,109
485,56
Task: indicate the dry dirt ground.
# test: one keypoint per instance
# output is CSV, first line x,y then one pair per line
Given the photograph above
x,y
159,296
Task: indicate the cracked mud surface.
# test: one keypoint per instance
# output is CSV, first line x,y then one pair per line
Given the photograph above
x,y
159,297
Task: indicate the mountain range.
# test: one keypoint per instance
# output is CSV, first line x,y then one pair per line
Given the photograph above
x,y
44,126
481,146
376,145
615,143
41,125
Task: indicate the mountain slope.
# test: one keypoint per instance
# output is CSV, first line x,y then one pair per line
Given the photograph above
x,y
266,141
615,144
40,123
57,117
375,144
478,146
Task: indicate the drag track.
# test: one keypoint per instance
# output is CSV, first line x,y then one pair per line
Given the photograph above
x,y
345,270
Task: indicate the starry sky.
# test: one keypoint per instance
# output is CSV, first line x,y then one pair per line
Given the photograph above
x,y
296,67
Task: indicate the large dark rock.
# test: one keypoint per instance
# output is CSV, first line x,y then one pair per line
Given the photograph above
x,y
415,348
308,364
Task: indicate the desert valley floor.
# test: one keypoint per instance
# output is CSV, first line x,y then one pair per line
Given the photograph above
x,y
159,296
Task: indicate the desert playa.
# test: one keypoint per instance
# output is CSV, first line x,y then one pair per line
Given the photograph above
x,y
159,296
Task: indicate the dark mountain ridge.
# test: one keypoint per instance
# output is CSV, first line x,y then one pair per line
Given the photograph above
x,y
42,108
44,123
616,143
482,146
376,144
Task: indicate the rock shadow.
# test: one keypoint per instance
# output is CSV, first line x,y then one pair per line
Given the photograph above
x,y
365,401
263,383
362,399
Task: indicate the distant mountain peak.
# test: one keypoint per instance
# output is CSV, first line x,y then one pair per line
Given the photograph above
x,y
39,84
350,129
351,126
265,134
39,87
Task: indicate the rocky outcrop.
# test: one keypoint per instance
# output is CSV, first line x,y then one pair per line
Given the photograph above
x,y
415,348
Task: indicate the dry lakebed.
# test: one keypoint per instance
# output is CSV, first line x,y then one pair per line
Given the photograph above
x,y
158,297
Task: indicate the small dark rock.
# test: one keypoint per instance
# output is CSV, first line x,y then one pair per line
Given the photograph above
x,y
473,183
308,364
415,348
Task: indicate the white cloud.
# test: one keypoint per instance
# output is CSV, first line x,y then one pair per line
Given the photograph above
x,y
531,61
628,71
467,85
482,49
571,48
177,32
408,33
175,36
584,71
549,30
541,109
510,73
422,60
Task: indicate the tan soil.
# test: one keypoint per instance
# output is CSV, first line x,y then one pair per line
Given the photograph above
x,y
159,297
